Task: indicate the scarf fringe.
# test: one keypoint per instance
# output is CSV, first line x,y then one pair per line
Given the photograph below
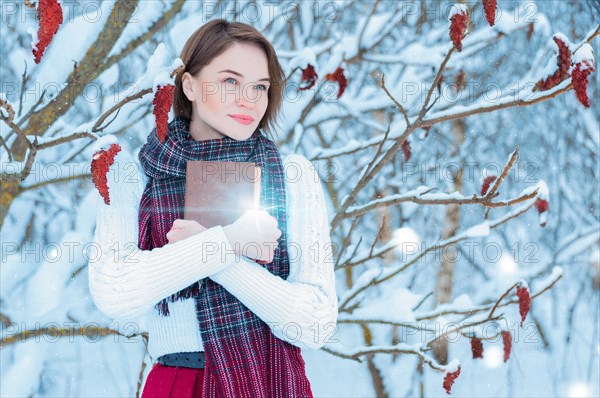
x,y
189,292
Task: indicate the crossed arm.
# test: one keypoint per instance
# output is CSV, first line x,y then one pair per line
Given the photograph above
x,y
301,310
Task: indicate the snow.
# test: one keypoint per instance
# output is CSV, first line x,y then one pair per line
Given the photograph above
x,y
81,33
47,285
103,143
22,378
458,8
505,22
160,66
317,48
539,284
363,280
373,30
562,37
442,196
487,172
298,134
557,271
302,58
543,190
529,190
145,14
406,238
482,229
522,283
34,37
414,52
584,56
461,303
395,306
542,25
551,63
543,216
452,366
419,192
374,348
592,125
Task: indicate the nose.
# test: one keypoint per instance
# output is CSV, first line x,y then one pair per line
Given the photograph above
x,y
245,98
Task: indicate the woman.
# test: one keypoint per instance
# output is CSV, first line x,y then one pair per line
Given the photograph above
x,y
225,325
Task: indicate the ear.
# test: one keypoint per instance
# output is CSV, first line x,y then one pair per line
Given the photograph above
x,y
186,85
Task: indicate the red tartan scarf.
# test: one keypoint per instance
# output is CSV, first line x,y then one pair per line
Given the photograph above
x,y
243,357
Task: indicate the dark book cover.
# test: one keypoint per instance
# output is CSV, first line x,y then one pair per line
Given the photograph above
x,y
218,193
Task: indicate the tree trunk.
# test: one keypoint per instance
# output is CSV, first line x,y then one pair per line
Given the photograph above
x,y
445,276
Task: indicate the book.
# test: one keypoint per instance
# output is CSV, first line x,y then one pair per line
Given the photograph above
x,y
218,193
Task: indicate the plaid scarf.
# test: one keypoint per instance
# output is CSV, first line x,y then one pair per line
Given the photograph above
x,y
243,357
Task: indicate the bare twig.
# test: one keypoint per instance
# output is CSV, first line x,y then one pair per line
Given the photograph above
x,y
398,104
389,154
364,28
62,140
393,271
481,308
116,107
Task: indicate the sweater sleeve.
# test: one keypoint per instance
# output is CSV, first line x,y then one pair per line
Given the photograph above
x,y
126,282
303,309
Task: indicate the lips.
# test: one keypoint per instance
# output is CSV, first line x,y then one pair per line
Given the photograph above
x,y
243,119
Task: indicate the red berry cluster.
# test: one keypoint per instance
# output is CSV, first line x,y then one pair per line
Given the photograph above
x,y
338,76
449,380
489,7
476,347
458,27
309,77
406,150
163,100
563,63
580,83
50,16
524,302
507,342
486,184
101,163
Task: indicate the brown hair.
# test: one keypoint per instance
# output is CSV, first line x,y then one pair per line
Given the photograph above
x,y
211,40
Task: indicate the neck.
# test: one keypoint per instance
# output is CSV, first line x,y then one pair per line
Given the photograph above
x,y
200,131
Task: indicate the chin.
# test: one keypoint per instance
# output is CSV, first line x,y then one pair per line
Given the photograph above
x,y
242,135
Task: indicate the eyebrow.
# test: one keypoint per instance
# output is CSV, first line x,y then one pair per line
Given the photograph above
x,y
266,79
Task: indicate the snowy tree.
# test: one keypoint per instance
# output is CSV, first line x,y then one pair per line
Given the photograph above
x,y
458,144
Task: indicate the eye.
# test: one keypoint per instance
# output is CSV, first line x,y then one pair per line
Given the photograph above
x,y
264,88
229,78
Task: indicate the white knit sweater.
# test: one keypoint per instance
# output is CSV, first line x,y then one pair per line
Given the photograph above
x,y
126,282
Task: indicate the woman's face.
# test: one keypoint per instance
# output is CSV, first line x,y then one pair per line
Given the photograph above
x,y
229,95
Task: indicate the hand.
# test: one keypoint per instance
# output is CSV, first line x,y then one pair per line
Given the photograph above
x,y
254,234
182,229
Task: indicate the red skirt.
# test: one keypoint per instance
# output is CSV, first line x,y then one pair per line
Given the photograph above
x,y
173,382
